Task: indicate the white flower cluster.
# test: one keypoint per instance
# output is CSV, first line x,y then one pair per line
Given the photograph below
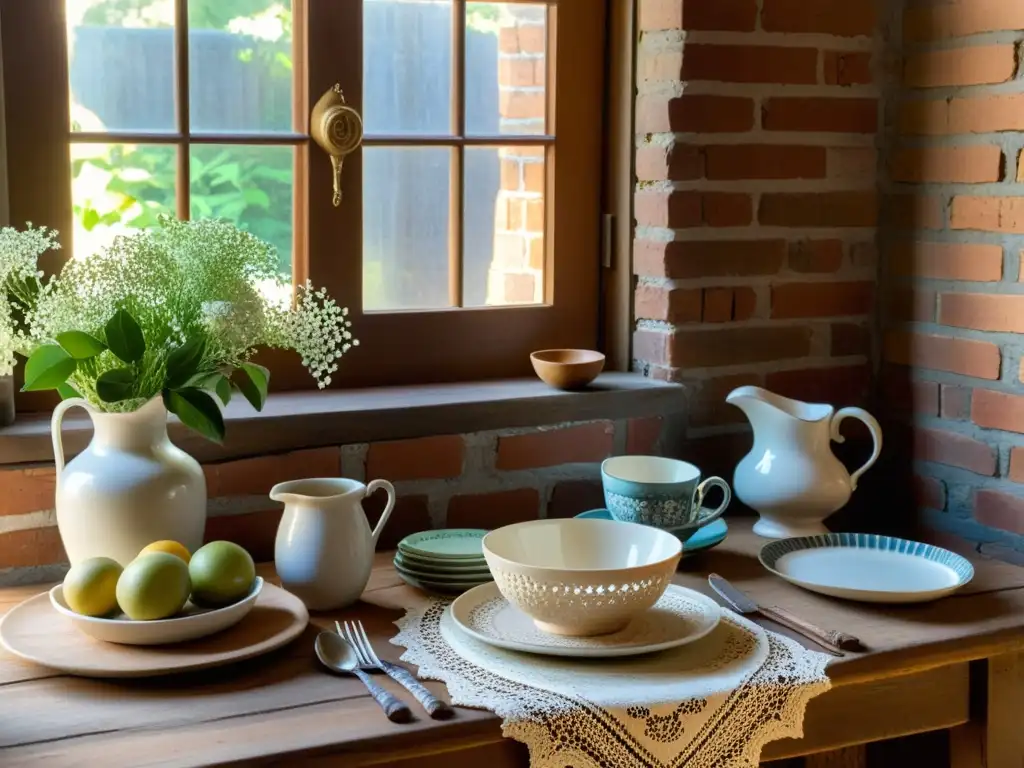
x,y
180,281
20,281
318,329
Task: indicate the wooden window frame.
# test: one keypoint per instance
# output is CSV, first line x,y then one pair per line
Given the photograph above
x,y
396,347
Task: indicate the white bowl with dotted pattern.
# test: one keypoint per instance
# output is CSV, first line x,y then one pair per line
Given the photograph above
x,y
581,577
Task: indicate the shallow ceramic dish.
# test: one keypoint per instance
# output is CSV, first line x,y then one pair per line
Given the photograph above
x,y
477,577
679,617
867,567
36,632
711,535
441,587
418,569
447,563
447,544
567,368
581,577
194,623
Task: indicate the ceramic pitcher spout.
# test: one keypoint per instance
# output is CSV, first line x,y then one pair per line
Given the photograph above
x,y
757,403
321,490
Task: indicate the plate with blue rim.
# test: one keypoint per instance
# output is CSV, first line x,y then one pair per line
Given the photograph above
x,y
711,535
867,567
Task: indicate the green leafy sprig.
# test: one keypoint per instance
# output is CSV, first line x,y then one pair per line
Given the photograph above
x,y
186,391
176,312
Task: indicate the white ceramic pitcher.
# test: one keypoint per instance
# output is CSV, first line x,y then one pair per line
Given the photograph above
x,y
791,477
131,486
324,547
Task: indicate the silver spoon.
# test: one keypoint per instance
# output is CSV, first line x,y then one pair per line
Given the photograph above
x,y
338,655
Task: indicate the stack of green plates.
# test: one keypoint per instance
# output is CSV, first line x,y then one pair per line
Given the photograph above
x,y
448,561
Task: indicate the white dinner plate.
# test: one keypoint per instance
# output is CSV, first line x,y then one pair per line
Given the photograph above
x,y
679,617
193,623
868,567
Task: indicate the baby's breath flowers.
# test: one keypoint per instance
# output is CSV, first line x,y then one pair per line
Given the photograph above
x,y
20,282
177,311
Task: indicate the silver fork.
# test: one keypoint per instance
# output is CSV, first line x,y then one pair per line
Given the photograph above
x,y
369,661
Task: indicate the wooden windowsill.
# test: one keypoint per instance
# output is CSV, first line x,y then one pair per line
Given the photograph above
x,y
340,417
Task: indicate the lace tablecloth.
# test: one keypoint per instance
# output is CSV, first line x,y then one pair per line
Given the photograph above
x,y
713,704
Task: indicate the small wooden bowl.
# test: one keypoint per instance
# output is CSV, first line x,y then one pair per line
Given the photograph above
x,y
567,368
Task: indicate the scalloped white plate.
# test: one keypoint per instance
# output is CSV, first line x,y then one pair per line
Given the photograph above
x,y
679,617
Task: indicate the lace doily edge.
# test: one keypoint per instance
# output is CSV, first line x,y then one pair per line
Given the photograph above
x,y
788,725
460,693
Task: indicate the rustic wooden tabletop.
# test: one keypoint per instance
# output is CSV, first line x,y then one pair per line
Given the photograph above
x,y
283,706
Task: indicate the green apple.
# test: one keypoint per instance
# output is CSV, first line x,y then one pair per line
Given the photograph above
x,y
90,587
153,586
222,573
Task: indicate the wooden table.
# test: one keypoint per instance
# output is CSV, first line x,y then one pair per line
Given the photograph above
x,y
958,664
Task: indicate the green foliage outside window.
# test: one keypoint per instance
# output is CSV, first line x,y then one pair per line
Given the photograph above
x,y
129,185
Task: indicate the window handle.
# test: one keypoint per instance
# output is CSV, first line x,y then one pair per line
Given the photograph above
x,y
338,129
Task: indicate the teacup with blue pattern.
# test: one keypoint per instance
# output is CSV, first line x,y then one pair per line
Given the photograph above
x,y
664,493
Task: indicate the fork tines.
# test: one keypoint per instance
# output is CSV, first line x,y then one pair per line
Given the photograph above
x,y
353,632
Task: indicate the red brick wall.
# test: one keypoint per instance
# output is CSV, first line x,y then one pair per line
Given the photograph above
x,y
756,202
477,480
516,273
953,307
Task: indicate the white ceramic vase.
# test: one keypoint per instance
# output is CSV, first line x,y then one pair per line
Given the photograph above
x,y
131,486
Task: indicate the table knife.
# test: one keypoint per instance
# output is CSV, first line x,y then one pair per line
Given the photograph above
x,y
829,638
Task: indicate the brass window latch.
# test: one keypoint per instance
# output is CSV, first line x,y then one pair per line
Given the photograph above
x,y
338,129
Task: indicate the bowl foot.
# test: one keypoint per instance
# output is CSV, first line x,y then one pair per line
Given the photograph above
x,y
590,630
775,529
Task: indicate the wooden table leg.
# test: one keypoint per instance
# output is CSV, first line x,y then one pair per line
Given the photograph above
x,y
1004,731
995,736
847,757
967,746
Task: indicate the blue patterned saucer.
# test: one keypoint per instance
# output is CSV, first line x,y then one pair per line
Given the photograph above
x,y
711,535
867,567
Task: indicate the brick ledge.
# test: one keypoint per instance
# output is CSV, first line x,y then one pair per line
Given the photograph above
x,y
311,419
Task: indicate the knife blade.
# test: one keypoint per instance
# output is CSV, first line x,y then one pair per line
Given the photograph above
x,y
738,600
834,641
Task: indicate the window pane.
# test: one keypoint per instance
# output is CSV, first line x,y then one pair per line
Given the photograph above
x,y
240,65
117,188
121,64
405,227
407,66
505,68
504,226
250,186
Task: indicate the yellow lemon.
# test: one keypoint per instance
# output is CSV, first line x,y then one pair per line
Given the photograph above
x,y
168,546
90,587
153,586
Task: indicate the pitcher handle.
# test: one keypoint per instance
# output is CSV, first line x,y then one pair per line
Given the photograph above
x,y
701,491
376,485
876,436
55,423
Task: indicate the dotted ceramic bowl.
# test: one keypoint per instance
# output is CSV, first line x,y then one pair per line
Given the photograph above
x,y
581,577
